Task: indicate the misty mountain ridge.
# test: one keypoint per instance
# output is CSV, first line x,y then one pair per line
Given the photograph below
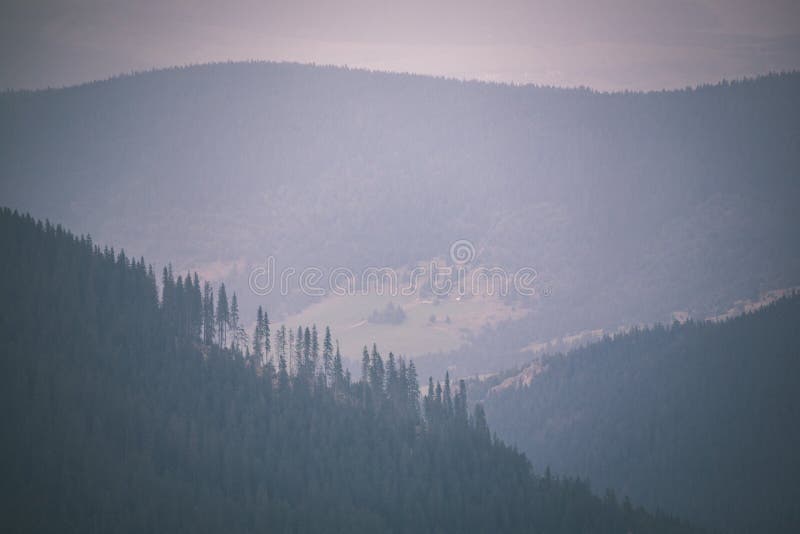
x,y
628,205
522,375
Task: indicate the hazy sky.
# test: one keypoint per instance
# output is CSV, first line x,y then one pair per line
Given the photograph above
x,y
606,44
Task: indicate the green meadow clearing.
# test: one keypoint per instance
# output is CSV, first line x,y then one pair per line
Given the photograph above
x,y
417,334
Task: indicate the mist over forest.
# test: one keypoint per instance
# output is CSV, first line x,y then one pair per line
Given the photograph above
x,y
266,296
630,207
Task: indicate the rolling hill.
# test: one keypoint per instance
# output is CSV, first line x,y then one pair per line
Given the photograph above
x,y
629,206
697,419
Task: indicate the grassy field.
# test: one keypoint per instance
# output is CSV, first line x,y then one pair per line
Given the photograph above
x,y
347,317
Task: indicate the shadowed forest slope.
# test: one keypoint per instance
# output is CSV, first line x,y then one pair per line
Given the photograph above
x,y
120,417
698,419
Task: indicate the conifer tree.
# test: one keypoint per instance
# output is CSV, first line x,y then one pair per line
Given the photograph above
x,y
314,364
152,289
208,314
223,316
280,342
401,387
168,296
197,309
306,362
327,356
258,340
365,366
233,323
428,402
298,352
366,378
391,379
178,306
338,378
376,370
291,353
265,334
447,399
412,385
187,299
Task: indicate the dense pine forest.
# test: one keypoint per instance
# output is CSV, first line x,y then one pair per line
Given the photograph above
x,y
699,418
137,406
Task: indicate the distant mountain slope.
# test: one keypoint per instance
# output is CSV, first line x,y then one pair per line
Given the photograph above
x,y
630,206
698,419
118,417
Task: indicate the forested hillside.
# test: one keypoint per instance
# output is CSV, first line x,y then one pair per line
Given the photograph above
x,y
680,200
130,411
698,419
